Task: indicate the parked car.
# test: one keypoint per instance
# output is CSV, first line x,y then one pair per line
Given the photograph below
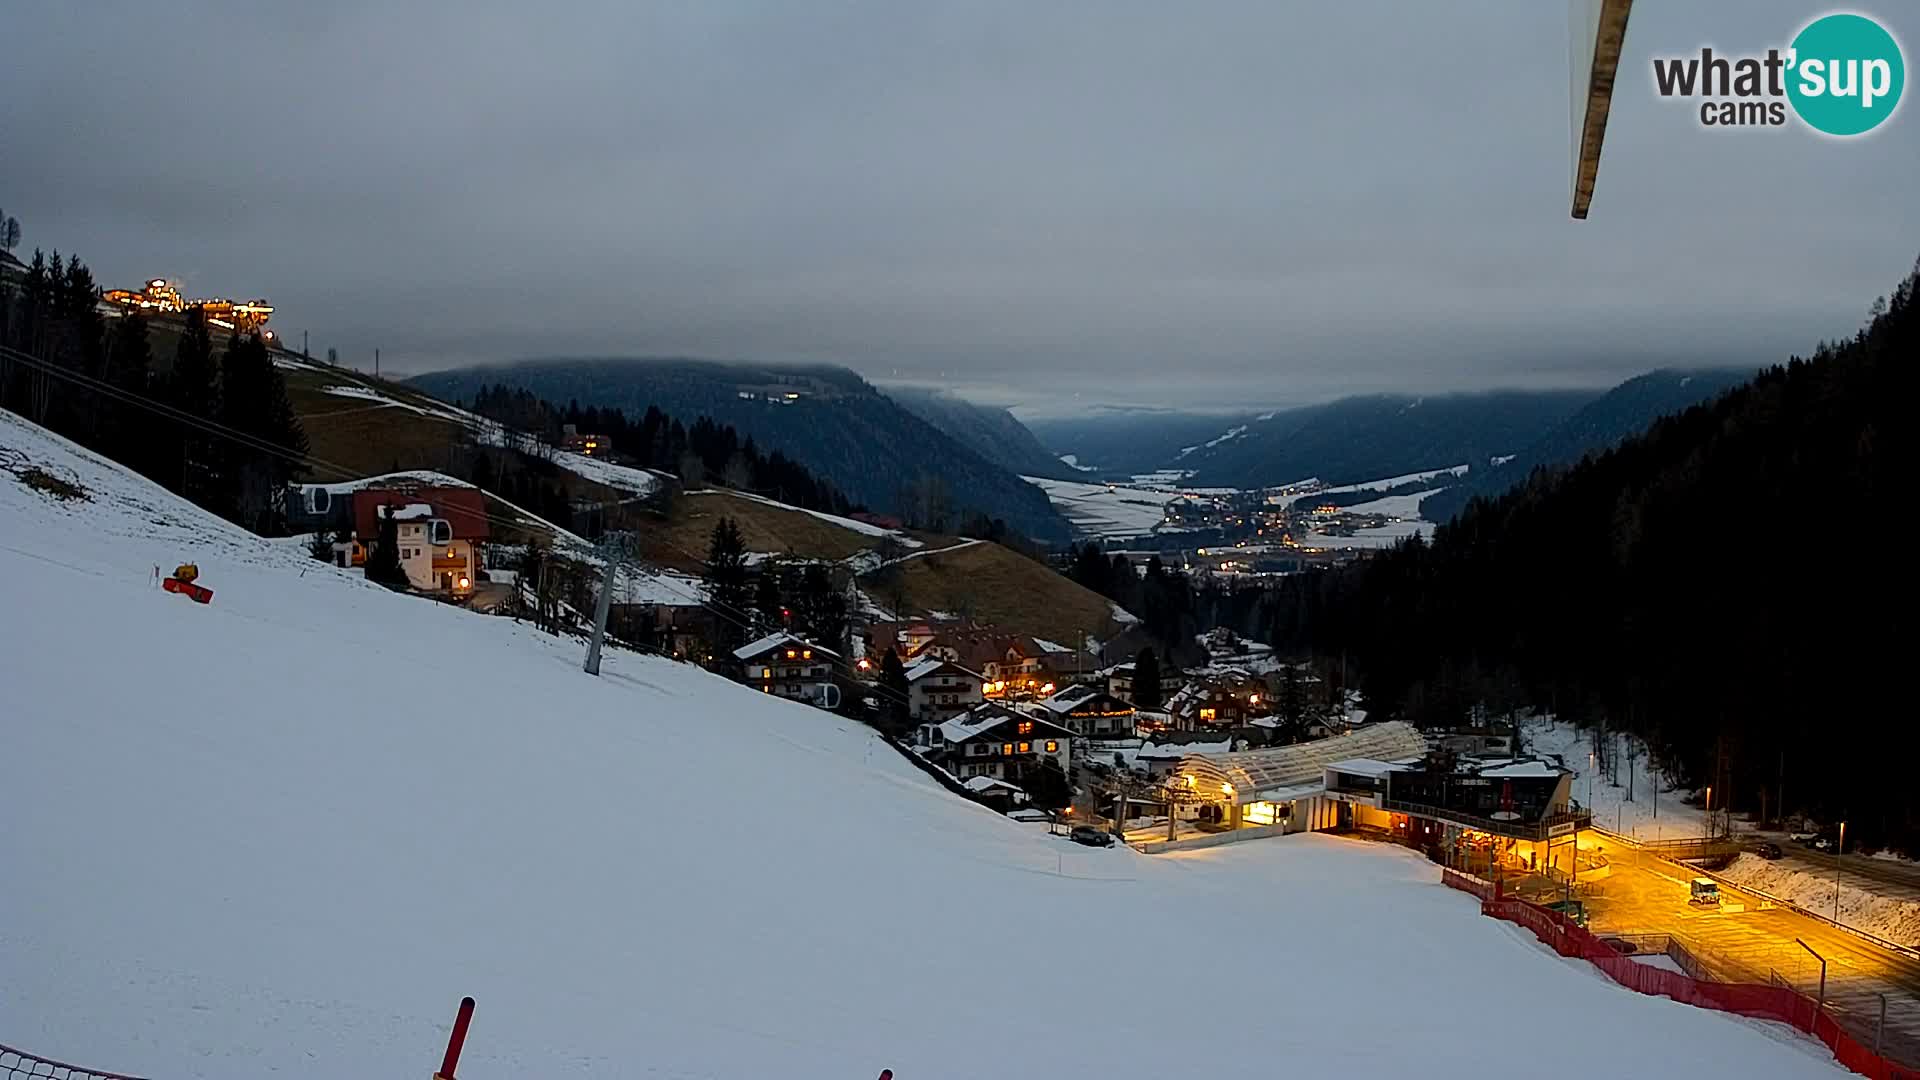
x,y
1767,850
1090,836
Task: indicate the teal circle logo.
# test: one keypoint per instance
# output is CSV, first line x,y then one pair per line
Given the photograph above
x,y
1845,74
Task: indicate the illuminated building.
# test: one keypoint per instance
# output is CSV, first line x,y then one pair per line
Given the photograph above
x,y
159,296
572,439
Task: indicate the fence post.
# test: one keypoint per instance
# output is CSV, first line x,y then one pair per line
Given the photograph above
x,y
456,1041
1880,1028
1822,1006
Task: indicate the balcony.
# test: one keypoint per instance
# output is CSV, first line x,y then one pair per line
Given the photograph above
x,y
1561,823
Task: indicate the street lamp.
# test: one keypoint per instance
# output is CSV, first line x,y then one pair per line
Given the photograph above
x,y
1837,848
1709,810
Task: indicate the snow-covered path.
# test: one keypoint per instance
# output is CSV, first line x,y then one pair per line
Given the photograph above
x,y
284,833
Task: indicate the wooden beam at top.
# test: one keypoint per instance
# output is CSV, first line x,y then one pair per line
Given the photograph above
x,y
1608,40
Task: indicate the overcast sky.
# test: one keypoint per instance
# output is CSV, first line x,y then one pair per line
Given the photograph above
x,y
1051,204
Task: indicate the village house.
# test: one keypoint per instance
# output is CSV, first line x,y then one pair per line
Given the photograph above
x,y
995,742
791,667
939,690
1120,681
1218,699
572,440
1088,712
440,534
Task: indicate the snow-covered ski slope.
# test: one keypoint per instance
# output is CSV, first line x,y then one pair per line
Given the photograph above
x,y
284,833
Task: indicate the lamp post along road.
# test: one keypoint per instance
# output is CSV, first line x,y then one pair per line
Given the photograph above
x,y
1837,847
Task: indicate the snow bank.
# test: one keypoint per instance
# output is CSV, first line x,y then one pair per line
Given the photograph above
x,y
439,411
862,527
625,478
1395,481
1888,917
1400,506
285,832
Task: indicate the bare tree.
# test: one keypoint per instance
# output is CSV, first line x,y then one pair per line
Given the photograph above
x,y
9,232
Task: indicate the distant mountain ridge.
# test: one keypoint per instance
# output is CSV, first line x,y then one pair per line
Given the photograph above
x,y
1364,438
1118,443
993,433
825,417
1353,439
1621,413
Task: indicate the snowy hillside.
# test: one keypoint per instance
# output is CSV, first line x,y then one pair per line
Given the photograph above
x,y
284,833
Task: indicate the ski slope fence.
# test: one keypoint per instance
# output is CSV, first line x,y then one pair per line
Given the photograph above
x,y
1778,1003
20,1065
1468,883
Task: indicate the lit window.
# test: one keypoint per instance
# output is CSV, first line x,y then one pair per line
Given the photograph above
x,y
766,673
1006,749
1026,748
805,654
1026,727
789,654
1052,747
1207,714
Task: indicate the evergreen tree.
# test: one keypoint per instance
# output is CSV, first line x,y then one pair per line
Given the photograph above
x,y
1047,786
726,579
826,608
1291,705
383,562
767,603
192,388
1147,693
253,401
131,437
893,693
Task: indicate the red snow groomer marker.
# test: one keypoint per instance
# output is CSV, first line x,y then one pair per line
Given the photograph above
x,y
183,582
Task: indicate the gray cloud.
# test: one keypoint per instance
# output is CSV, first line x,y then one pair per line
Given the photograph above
x,y
1215,204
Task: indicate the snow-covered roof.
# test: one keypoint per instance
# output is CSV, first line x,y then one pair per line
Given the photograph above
x,y
924,668
1363,767
988,783
774,640
1050,646
1176,751
1522,769
982,718
1255,773
1070,698
412,512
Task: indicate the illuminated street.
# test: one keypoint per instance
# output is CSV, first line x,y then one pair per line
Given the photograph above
x,y
1647,895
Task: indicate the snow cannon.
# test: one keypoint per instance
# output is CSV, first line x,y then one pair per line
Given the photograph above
x,y
185,581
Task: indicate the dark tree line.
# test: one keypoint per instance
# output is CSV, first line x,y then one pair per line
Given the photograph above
x,y
232,441
705,452
1722,586
1163,597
